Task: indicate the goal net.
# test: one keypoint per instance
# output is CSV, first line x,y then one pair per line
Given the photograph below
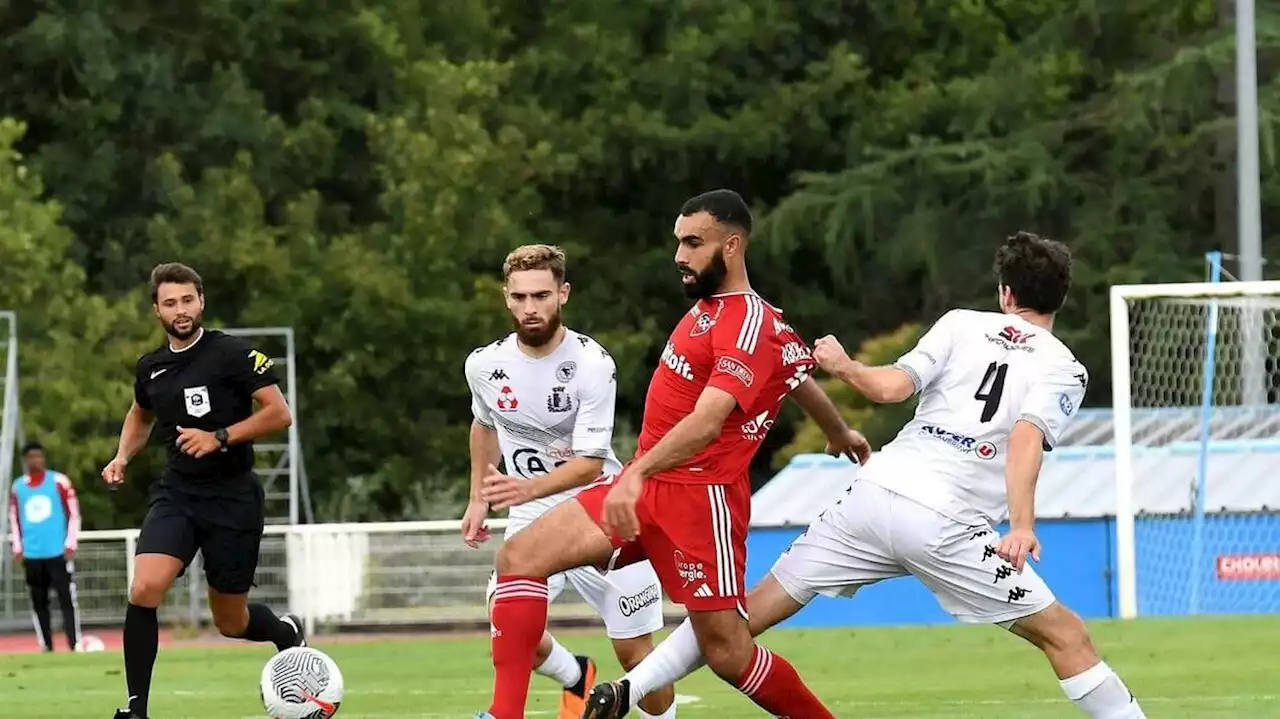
x,y
1196,392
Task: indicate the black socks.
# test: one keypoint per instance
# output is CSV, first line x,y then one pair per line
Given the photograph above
x,y
265,626
141,641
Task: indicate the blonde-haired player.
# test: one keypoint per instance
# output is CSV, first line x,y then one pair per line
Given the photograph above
x,y
543,401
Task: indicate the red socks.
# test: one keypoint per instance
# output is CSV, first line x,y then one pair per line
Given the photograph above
x,y
774,686
518,620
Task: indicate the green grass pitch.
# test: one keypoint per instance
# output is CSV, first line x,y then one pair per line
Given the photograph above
x,y
1227,668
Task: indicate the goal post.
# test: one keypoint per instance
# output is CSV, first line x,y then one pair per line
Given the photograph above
x,y
1195,385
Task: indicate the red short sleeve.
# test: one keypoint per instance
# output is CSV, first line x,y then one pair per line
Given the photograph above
x,y
744,354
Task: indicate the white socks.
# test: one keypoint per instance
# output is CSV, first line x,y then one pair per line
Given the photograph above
x,y
675,658
670,713
561,666
1101,694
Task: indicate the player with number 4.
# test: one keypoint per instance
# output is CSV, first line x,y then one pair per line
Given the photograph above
x,y
997,390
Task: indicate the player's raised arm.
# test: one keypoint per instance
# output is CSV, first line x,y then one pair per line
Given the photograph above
x,y
890,384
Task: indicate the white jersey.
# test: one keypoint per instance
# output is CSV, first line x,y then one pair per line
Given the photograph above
x,y
546,410
978,373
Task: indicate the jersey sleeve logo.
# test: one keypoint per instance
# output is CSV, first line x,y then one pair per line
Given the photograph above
x,y
261,362
197,400
507,400
735,368
1065,404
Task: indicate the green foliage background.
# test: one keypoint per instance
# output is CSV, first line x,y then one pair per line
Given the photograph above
x,y
358,170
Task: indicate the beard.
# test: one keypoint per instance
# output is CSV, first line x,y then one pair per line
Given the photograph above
x,y
172,330
707,282
531,337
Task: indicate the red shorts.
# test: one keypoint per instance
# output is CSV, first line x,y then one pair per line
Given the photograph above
x,y
695,535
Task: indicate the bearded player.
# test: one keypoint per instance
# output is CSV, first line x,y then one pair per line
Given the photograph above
x,y
543,400
684,501
997,389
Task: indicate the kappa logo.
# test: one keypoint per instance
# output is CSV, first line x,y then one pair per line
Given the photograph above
x,y
507,400
1018,593
1003,571
736,368
677,363
498,375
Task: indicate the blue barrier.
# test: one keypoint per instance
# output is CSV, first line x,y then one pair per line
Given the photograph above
x,y
1079,566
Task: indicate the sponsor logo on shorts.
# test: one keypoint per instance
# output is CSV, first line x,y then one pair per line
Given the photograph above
x,y
689,571
634,603
677,363
981,450
735,368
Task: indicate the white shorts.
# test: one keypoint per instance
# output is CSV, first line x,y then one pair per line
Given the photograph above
x,y
873,534
629,599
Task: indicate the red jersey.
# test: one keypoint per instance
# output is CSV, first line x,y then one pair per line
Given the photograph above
x,y
738,343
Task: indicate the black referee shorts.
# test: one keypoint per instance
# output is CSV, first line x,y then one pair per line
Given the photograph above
x,y
226,529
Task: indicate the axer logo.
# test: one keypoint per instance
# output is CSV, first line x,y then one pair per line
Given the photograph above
x,y
689,571
981,450
677,363
631,604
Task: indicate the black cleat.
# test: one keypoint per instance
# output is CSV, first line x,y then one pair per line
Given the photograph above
x,y
299,629
609,701
127,714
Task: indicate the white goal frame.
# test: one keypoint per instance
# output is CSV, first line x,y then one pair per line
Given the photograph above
x,y
1121,394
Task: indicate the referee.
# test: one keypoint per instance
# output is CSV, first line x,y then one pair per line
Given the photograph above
x,y
199,388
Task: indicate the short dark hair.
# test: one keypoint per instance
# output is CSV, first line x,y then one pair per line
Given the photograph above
x,y
726,206
1036,270
175,273
30,447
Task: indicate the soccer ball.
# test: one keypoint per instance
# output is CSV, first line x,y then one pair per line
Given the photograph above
x,y
90,643
301,683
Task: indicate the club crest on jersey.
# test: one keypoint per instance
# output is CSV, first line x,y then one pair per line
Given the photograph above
x,y
985,450
566,370
507,401
197,399
735,368
702,325
559,400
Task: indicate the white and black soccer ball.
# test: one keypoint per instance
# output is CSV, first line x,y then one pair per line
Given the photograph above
x,y
301,683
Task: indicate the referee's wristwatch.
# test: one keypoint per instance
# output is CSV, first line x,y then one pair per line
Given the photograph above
x,y
222,437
